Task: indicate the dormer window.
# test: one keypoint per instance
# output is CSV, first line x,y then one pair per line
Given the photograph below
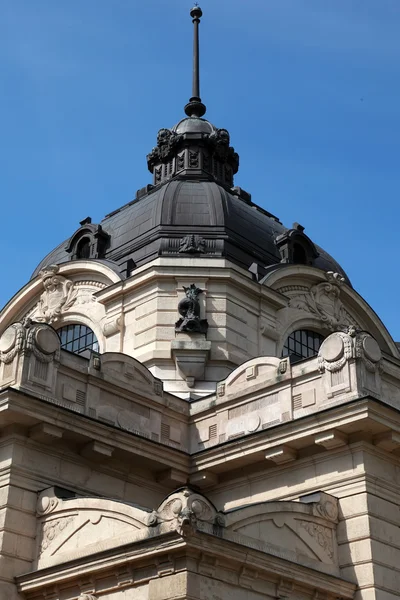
x,y
89,241
83,248
295,247
299,254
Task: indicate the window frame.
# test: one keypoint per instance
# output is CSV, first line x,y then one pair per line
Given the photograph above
x,y
78,338
302,344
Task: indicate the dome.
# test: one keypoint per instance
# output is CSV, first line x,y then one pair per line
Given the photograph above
x,y
194,125
198,218
192,208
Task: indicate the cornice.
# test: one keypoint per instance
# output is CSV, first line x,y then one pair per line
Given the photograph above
x,y
299,434
199,546
215,268
21,407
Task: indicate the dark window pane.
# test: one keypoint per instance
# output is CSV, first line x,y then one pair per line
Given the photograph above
x,y
302,344
78,339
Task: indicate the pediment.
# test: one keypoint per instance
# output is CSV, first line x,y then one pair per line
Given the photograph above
x,y
301,532
290,527
122,367
81,526
260,370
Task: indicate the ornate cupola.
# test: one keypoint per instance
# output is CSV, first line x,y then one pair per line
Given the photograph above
x,y
194,148
192,208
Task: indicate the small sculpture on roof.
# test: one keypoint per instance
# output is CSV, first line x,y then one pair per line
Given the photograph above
x,y
189,308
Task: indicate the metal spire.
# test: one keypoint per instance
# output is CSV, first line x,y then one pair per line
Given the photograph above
x,y
195,108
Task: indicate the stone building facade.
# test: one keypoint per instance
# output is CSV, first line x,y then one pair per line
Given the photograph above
x,y
196,404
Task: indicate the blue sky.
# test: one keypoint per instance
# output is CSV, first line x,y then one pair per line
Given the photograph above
x,y
309,90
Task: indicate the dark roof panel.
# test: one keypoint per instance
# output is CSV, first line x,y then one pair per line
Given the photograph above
x,y
156,223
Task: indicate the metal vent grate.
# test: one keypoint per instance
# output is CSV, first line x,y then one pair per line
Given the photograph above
x,y
212,431
80,397
165,431
297,403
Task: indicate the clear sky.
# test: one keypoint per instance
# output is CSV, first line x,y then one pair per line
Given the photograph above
x,y
309,90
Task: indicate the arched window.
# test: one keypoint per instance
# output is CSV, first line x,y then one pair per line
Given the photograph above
x,y
299,254
83,248
78,339
302,344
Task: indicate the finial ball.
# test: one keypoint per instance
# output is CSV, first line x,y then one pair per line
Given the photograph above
x,y
196,12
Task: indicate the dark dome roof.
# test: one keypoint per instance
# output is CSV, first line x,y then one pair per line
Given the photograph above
x,y
192,207
192,217
194,125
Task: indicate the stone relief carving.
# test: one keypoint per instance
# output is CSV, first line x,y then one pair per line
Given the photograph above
x,y
323,535
194,159
220,140
70,527
323,301
58,296
167,141
367,349
339,347
12,342
327,508
189,308
52,530
192,244
47,502
39,339
186,511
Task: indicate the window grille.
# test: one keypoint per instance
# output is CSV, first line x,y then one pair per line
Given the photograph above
x,y
302,344
78,339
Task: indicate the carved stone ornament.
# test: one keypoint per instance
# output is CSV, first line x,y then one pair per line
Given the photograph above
x,y
335,351
323,535
47,502
51,530
39,339
192,244
323,301
339,347
167,141
87,597
58,296
12,342
327,508
189,308
220,141
367,349
185,511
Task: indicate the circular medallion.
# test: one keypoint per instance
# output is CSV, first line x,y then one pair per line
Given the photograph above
x,y
47,340
371,349
7,340
332,347
253,423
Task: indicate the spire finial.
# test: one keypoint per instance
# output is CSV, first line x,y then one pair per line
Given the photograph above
x,y
195,108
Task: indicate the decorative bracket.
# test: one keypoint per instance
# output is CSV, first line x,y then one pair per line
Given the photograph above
x,y
190,356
